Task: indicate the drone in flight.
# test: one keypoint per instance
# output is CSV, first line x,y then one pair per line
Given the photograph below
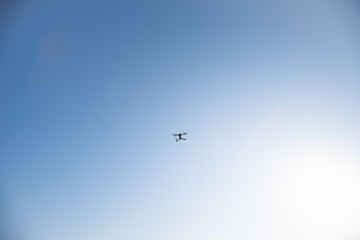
x,y
179,136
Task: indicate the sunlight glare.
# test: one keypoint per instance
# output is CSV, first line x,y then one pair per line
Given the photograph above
x,y
322,196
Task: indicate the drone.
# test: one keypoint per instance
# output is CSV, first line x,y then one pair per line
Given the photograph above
x,y
178,136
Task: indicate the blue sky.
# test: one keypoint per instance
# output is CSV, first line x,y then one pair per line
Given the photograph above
x,y
91,92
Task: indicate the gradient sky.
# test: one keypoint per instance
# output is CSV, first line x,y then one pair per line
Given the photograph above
x,y
91,91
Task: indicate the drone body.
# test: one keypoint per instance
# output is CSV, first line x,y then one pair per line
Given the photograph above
x,y
179,136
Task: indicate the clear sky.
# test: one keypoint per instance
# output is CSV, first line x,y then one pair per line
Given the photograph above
x,y
91,91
